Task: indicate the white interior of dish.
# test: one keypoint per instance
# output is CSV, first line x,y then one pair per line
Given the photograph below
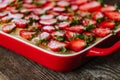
x,y
54,53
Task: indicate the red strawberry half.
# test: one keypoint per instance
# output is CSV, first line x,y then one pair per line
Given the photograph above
x,y
8,27
77,45
26,34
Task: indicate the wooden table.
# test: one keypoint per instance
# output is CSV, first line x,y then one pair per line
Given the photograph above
x,y
16,67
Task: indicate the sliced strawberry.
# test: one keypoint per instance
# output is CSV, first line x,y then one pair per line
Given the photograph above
x,y
3,14
101,32
63,3
48,29
44,36
48,22
26,34
89,34
77,28
74,7
49,5
16,16
84,13
47,16
107,24
108,8
91,6
25,11
28,1
30,6
62,17
97,15
63,25
13,10
20,23
38,11
56,45
77,45
58,34
53,13
79,2
3,5
70,15
113,15
37,25
33,16
8,27
6,19
88,22
40,38
59,9
69,34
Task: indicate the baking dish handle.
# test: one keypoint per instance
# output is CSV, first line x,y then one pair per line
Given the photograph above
x,y
105,51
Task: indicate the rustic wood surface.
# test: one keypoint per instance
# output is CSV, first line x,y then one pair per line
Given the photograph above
x,y
16,67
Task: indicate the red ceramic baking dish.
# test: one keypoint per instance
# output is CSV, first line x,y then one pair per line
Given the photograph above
x,y
58,62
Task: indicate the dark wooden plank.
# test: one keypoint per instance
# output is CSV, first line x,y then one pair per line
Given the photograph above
x,y
16,67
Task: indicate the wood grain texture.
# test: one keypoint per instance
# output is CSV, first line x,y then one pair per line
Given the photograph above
x,y
16,67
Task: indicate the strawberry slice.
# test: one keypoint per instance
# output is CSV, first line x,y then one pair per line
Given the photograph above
x,y
113,15
77,28
101,32
59,9
48,29
37,25
88,22
44,36
77,45
63,25
47,16
30,6
53,13
28,1
26,34
62,17
69,34
107,24
38,11
63,3
6,19
91,6
84,13
3,14
79,2
25,11
56,45
48,22
8,27
58,35
20,23
41,37
3,5
74,7
108,8
97,15
13,10
49,5
16,16
33,16
89,34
